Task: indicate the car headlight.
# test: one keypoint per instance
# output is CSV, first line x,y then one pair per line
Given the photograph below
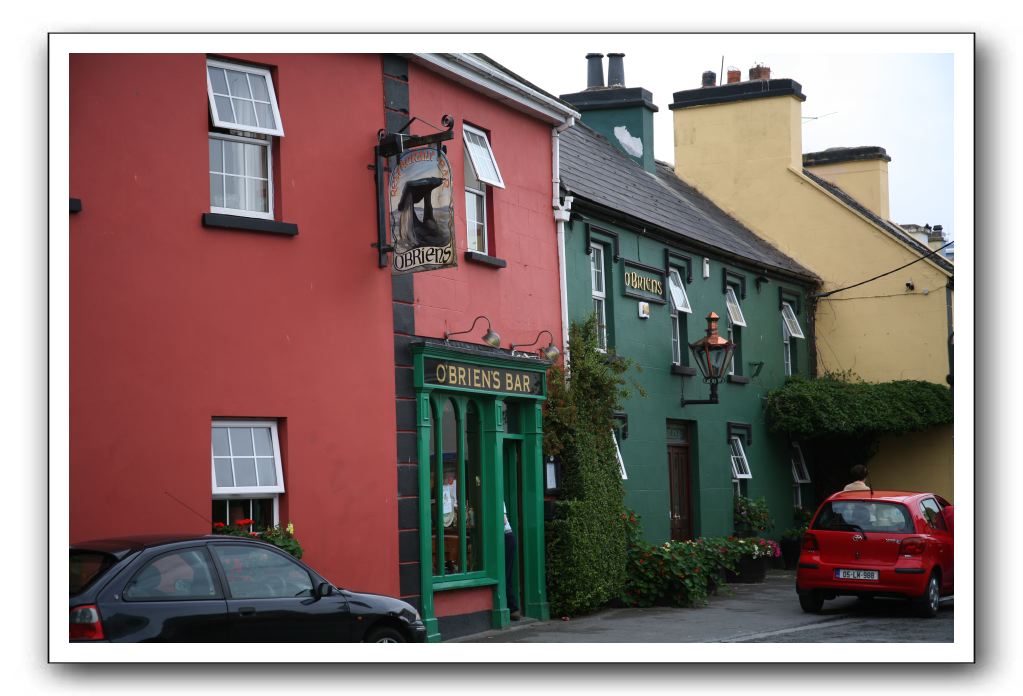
x,y
410,614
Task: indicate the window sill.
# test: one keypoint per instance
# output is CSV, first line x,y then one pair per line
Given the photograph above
x,y
249,224
75,205
683,370
738,379
477,257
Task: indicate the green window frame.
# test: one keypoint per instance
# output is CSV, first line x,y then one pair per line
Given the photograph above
x,y
457,481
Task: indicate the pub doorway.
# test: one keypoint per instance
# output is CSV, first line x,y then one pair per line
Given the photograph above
x,y
680,481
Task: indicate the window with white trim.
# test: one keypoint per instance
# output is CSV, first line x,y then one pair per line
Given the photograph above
x,y
599,294
246,472
481,171
679,308
740,466
735,321
800,475
244,117
790,329
618,455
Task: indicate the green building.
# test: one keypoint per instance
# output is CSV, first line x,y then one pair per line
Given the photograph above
x,y
653,258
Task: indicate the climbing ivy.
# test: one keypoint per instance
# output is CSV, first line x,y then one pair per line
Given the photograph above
x,y
586,541
841,406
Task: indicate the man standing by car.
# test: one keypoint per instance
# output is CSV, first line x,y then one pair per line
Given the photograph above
x,y
859,476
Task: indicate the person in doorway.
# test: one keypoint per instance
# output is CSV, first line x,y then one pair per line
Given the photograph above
x,y
509,567
859,476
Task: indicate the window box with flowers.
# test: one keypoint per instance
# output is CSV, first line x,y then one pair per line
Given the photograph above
x,y
281,537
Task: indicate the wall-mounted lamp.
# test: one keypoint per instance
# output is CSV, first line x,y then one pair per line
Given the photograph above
x,y
491,337
755,368
550,352
713,355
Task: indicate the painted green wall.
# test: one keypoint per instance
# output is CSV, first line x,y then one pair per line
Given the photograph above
x,y
647,342
639,121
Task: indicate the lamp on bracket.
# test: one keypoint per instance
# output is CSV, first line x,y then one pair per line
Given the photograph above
x,y
713,355
491,337
550,352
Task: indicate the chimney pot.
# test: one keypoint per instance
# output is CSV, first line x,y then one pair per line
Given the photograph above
x,y
594,70
760,72
709,79
734,75
615,70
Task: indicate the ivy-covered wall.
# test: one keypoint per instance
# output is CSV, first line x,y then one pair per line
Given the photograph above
x,y
647,342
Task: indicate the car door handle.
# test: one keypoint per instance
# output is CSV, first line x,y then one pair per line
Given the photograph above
x,y
246,611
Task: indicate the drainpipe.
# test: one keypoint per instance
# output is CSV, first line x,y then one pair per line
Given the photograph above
x,y
562,211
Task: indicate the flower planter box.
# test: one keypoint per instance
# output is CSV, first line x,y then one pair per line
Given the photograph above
x,y
749,570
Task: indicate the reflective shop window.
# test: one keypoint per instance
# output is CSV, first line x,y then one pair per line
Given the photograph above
x,y
456,524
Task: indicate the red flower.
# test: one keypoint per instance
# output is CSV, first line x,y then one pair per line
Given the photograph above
x,y
243,523
218,525
253,534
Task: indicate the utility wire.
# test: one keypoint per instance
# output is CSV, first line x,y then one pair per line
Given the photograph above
x,y
869,280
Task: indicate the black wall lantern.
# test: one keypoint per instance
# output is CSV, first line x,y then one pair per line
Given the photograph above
x,y
552,474
713,355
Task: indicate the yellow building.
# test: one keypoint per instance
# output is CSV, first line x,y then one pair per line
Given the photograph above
x,y
740,144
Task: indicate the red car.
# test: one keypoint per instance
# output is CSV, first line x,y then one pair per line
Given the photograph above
x,y
878,544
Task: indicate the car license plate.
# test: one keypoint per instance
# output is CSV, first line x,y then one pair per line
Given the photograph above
x,y
844,574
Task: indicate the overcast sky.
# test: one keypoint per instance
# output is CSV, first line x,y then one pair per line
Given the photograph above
x,y
901,101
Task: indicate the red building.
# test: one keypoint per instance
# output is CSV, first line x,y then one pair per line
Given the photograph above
x,y
237,350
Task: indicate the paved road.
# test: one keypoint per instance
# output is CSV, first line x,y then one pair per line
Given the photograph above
x,y
760,613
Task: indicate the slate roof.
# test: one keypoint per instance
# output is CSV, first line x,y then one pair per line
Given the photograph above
x,y
595,170
889,227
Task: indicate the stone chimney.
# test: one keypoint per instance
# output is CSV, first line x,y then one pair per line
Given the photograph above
x,y
862,172
623,115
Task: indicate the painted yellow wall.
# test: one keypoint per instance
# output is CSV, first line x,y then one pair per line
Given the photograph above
x,y
864,180
747,157
916,462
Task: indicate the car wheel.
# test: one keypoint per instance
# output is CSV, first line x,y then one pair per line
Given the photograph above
x,y
385,634
927,604
811,602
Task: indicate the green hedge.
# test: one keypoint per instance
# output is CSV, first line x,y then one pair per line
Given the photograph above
x,y
586,544
835,407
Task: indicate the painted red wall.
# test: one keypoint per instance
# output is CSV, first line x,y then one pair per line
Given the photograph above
x,y
173,324
524,298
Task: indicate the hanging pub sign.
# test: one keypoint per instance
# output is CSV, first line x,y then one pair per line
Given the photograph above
x,y
422,213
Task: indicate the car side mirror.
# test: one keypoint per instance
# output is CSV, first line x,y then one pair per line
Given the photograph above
x,y
948,514
324,589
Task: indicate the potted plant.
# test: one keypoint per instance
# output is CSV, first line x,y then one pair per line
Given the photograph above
x,y
751,517
792,538
749,558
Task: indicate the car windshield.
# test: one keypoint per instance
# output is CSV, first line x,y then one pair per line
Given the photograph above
x,y
86,568
866,516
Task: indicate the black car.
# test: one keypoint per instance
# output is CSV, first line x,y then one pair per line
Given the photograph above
x,y
187,588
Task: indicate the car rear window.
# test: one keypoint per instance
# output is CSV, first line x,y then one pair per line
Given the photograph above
x,y
864,515
86,568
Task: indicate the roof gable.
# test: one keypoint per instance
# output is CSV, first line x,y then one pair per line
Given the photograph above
x,y
886,226
595,170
